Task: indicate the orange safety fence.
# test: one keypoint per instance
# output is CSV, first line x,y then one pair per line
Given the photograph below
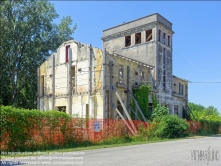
x,y
194,127
75,130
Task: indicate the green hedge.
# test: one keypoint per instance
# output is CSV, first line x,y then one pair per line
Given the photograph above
x,y
209,126
17,124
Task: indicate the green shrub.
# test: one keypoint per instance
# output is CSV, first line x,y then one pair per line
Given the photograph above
x,y
159,112
171,127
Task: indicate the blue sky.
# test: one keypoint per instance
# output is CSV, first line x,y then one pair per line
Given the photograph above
x,y
196,42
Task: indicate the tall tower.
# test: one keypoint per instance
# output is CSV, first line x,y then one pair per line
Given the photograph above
x,y
148,40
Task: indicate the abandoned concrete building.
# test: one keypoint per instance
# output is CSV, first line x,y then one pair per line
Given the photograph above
x,y
89,82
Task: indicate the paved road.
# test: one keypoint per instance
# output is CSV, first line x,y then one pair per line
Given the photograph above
x,y
186,152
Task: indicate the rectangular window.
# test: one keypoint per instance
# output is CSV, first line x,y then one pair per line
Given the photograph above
x,y
180,89
121,74
159,35
138,38
175,110
150,107
67,52
164,38
164,82
127,41
168,41
148,35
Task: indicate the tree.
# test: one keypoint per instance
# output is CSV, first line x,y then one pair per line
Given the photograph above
x,y
28,36
196,107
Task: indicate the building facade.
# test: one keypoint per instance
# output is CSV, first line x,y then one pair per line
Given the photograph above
x,y
149,40
88,82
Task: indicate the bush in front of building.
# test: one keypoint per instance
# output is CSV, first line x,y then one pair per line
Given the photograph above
x,y
165,125
171,126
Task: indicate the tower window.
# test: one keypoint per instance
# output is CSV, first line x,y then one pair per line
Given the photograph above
x,y
148,35
168,41
127,41
138,38
164,38
159,35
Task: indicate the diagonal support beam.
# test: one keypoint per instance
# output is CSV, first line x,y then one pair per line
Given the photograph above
x,y
125,121
134,112
127,114
137,105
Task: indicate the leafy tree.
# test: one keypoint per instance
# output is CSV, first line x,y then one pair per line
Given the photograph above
x,y
211,110
28,36
196,107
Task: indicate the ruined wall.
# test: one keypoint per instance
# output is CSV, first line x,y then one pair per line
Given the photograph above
x,y
86,89
139,73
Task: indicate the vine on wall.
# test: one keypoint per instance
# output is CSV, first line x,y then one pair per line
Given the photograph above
x,y
141,95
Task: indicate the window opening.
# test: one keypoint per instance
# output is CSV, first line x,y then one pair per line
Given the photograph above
x,y
138,38
180,89
127,41
121,74
148,35
164,38
150,106
67,52
159,35
176,110
168,41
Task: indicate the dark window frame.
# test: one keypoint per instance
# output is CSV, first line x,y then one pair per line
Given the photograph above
x,y
66,55
138,38
168,44
149,35
176,109
127,41
159,35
